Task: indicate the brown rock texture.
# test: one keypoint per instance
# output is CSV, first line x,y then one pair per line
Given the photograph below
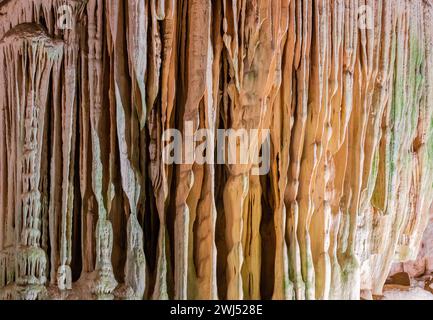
x,y
89,209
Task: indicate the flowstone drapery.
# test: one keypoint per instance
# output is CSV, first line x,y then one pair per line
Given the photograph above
x,y
89,209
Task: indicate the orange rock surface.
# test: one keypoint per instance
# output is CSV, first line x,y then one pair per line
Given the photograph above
x,y
89,209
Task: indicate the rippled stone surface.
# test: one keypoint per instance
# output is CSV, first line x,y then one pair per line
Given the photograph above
x,y
89,209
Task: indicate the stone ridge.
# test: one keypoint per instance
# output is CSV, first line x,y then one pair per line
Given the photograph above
x,y
90,209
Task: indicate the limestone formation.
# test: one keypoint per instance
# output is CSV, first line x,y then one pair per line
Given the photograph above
x,y
340,93
421,269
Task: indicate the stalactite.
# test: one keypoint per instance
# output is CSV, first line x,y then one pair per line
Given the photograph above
x,y
91,89
28,55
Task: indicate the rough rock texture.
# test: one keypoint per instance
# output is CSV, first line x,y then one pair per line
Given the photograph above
x,y
423,264
419,272
89,210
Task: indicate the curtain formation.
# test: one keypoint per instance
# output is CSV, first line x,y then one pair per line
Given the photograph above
x,y
89,210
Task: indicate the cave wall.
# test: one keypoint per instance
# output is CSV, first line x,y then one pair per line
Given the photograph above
x,y
422,266
89,209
